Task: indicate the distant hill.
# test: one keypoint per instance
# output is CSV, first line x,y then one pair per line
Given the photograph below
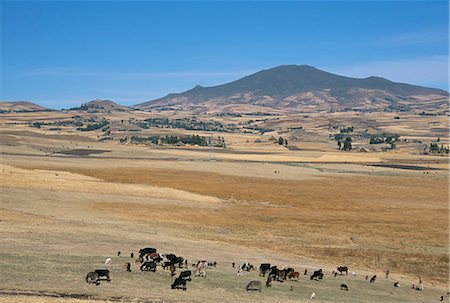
x,y
304,88
20,106
100,105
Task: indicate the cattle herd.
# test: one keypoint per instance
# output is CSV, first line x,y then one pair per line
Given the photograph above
x,y
149,260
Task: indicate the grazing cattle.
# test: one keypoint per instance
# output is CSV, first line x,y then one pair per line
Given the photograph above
x,y
317,275
201,268
132,255
344,287
246,266
212,264
119,253
169,257
179,283
342,269
372,280
263,269
172,270
179,261
186,275
269,282
294,275
442,298
167,264
148,266
108,261
154,255
312,296
138,262
127,266
103,273
92,277
306,272
397,284
146,251
174,259
254,285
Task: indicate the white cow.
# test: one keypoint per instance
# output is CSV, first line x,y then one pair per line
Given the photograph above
x,y
201,268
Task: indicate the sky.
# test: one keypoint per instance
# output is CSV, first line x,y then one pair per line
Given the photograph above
x,y
60,54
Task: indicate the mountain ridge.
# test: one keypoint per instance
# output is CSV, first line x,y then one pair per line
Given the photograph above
x,y
292,86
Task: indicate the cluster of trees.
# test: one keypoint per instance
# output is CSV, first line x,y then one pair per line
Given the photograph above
x,y
346,144
172,140
188,124
94,126
282,141
383,138
436,149
345,130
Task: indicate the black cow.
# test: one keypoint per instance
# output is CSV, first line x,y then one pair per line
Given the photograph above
x,y
166,264
317,275
179,261
179,283
103,273
342,269
186,275
173,259
170,257
148,266
263,269
212,264
344,287
372,280
145,251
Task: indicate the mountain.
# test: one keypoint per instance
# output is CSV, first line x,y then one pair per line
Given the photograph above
x,y
20,106
303,88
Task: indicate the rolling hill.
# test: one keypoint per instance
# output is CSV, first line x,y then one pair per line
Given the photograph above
x,y
304,88
20,106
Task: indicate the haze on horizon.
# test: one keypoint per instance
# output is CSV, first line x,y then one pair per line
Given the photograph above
x,y
59,54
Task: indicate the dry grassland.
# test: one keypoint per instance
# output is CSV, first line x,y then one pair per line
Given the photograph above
x,y
62,214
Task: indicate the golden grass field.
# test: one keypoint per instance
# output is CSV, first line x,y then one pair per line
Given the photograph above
x,y
63,214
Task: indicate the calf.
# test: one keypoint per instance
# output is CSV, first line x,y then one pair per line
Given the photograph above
x,y
179,283
148,266
344,287
342,269
127,266
172,270
254,285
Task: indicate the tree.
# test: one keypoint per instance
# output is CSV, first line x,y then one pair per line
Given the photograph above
x,y
280,140
347,144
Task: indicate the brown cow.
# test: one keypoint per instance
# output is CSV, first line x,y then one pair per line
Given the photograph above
x,y
293,275
172,270
127,266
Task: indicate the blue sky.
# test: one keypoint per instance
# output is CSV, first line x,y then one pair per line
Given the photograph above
x,y
60,53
